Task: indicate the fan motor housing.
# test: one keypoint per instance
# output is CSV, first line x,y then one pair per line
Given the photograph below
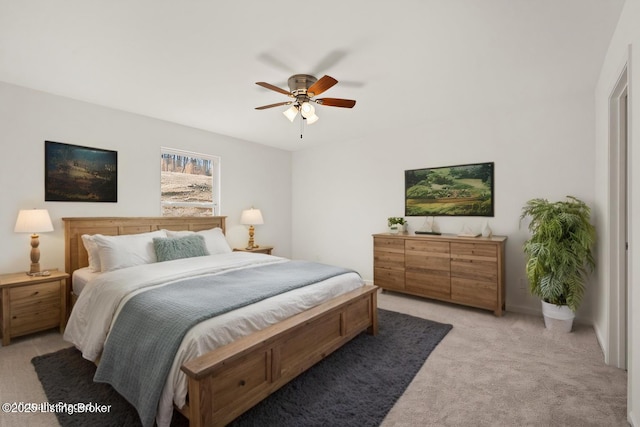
x,y
299,83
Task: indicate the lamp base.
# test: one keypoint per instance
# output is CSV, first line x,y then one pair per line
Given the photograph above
x,y
35,269
35,256
251,244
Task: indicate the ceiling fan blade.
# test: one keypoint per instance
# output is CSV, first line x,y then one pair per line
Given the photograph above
x,y
326,82
337,102
275,62
264,107
272,87
328,61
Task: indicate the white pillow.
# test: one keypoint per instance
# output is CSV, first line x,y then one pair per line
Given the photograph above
x,y
93,252
173,234
213,238
118,252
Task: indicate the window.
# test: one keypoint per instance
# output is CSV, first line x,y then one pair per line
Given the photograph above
x,y
189,183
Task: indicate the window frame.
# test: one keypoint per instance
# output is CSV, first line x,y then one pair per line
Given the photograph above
x,y
215,181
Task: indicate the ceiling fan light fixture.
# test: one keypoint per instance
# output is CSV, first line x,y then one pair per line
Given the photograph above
x,y
303,88
307,110
291,113
312,119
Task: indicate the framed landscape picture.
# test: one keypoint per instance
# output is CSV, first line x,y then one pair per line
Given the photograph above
x,y
74,173
461,190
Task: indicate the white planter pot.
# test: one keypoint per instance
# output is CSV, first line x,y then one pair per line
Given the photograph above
x,y
397,228
557,318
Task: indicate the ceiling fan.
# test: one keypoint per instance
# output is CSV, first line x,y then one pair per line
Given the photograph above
x,y
303,88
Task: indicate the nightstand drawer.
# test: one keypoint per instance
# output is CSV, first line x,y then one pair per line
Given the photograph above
x,y
34,295
37,320
34,307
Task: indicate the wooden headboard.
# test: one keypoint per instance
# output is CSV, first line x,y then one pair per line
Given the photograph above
x,y
75,255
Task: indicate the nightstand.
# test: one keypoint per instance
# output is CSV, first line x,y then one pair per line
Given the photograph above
x,y
259,250
32,303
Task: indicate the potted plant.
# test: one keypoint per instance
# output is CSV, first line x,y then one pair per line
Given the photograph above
x,y
396,224
559,256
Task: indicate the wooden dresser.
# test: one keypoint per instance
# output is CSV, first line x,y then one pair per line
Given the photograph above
x,y
462,270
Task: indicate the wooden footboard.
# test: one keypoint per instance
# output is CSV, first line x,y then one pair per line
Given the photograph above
x,y
228,381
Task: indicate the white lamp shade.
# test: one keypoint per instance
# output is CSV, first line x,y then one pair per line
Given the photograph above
x,y
291,113
307,110
312,119
251,217
33,221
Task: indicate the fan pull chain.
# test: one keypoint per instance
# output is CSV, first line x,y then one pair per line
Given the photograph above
x,y
301,125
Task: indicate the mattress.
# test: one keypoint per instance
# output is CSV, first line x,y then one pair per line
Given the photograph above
x,y
81,277
103,296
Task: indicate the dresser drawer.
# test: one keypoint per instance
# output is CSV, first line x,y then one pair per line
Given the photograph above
x,y
430,284
389,260
486,271
387,244
424,261
388,279
475,293
388,253
473,250
432,248
426,255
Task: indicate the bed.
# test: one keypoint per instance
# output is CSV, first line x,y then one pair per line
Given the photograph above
x,y
224,381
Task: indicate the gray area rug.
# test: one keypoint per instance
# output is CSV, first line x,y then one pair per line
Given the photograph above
x,y
355,386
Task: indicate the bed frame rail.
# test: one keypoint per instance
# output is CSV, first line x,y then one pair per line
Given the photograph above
x,y
228,381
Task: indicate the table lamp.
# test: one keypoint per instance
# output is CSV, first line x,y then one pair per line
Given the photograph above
x,y
34,221
251,217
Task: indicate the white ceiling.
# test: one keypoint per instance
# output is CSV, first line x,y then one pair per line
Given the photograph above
x,y
195,62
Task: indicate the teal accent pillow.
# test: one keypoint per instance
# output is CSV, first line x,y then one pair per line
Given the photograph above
x,y
189,246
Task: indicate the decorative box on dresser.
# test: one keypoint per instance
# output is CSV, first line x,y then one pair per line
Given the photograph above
x,y
32,303
461,270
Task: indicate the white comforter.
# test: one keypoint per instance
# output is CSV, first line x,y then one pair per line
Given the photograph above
x,y
102,298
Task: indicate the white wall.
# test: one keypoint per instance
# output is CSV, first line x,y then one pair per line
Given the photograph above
x,y
626,40
251,174
342,194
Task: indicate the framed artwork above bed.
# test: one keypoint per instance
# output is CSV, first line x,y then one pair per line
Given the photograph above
x,y
73,173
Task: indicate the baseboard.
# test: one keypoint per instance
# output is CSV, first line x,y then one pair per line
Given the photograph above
x,y
521,309
601,342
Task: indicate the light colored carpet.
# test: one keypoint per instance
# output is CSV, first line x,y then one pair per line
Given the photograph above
x,y
487,371
507,371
